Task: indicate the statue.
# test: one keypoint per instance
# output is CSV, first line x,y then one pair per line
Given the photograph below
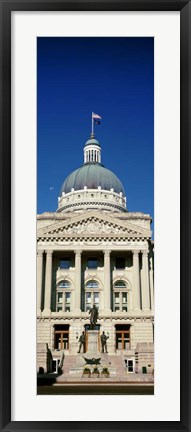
x,y
93,316
82,340
104,342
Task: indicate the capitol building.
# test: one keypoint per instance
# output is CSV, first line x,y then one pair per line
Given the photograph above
x,y
93,251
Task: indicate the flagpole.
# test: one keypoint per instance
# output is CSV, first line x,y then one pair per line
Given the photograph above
x,y
92,124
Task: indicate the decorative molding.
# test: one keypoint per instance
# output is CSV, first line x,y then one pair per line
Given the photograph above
x,y
136,252
145,253
93,227
120,243
107,252
90,240
78,252
49,252
95,278
123,278
40,253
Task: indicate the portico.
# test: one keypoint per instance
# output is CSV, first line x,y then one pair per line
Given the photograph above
x,y
104,271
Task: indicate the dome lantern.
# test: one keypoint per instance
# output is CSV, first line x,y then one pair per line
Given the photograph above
x,y
92,150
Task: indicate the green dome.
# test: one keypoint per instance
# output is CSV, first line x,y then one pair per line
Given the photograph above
x,y
92,175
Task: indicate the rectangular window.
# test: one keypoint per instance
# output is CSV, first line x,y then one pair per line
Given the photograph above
x,y
65,263
124,302
63,301
67,297
91,298
120,301
96,298
116,297
60,298
92,263
88,298
124,297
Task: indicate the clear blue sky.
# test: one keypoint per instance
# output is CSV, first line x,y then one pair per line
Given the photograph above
x,y
113,77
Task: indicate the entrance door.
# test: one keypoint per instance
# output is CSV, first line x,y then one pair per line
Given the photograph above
x,y
122,337
61,337
130,365
55,364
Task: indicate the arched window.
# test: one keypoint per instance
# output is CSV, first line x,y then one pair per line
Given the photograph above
x,y
91,294
120,297
92,284
63,296
120,284
64,284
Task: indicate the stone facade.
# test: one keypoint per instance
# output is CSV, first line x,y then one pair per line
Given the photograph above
x,y
90,253
121,282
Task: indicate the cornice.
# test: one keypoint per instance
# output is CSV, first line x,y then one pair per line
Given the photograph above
x,y
117,318
95,238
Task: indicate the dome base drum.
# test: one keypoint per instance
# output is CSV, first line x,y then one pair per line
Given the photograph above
x,y
92,199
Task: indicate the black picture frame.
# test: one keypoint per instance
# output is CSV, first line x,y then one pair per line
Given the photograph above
x,y
6,7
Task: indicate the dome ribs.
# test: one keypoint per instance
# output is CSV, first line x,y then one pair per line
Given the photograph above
x,y
92,175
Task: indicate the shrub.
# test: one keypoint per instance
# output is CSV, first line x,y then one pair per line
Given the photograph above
x,y
95,371
105,371
86,370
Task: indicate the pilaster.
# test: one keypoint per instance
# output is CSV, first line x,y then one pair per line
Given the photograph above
x,y
48,282
145,282
151,282
78,278
136,273
39,279
107,282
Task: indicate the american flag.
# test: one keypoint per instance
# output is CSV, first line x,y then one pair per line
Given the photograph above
x,y
96,116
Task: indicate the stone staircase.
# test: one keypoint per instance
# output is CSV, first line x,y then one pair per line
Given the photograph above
x,y
117,363
114,363
69,361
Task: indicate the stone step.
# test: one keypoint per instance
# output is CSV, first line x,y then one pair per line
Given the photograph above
x,y
68,363
115,363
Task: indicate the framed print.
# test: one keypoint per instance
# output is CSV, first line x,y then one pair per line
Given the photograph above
x,y
95,154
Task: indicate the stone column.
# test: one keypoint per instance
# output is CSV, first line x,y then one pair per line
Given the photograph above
x,y
145,284
136,272
39,279
48,282
107,282
151,282
78,278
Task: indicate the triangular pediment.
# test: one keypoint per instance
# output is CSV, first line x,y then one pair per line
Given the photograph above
x,y
93,224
